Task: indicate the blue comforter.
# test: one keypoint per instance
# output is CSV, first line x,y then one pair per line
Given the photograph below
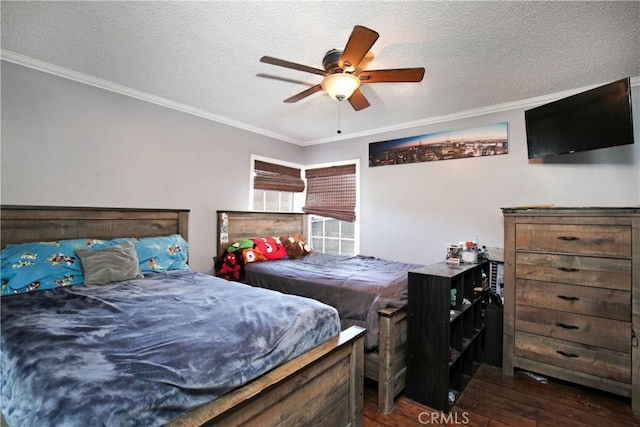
x,y
143,352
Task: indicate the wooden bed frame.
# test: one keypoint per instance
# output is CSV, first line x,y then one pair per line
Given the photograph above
x,y
388,365
323,386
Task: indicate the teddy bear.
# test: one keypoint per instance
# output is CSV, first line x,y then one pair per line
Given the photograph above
x,y
296,245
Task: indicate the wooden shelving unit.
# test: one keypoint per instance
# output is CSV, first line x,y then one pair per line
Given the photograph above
x,y
445,332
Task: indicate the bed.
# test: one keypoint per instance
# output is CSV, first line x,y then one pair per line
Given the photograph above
x,y
367,291
310,379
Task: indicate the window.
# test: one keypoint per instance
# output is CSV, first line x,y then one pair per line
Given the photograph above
x,y
332,236
276,187
331,192
331,202
273,201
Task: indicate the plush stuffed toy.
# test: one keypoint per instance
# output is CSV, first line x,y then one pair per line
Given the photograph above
x,y
254,254
231,266
296,245
270,247
242,244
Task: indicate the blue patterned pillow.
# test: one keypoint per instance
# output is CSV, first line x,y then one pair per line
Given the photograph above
x,y
43,265
160,254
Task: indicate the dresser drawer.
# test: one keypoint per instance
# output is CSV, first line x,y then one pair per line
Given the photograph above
x,y
607,240
590,301
612,273
590,330
603,363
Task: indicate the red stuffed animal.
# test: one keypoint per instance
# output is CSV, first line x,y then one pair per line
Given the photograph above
x,y
270,247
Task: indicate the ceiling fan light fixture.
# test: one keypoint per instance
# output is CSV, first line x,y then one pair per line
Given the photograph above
x,y
340,86
339,75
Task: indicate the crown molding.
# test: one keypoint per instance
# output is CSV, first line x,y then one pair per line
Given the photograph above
x,y
46,67
507,106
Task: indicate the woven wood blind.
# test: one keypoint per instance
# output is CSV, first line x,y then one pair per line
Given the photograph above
x,y
331,192
269,176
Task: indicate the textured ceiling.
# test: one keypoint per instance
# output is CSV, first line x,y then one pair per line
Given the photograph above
x,y
203,57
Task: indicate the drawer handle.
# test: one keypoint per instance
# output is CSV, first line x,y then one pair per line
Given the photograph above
x,y
562,325
568,269
562,353
566,298
568,238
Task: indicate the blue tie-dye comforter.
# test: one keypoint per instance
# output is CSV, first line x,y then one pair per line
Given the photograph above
x,y
143,352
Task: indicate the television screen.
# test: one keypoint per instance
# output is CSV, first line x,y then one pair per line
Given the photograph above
x,y
597,118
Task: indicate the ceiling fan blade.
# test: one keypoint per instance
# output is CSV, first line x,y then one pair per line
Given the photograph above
x,y
359,43
390,76
303,94
358,101
292,65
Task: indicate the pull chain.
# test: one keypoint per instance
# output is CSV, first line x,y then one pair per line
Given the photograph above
x,y
339,131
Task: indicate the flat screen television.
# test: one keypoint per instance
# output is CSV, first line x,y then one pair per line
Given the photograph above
x,y
598,118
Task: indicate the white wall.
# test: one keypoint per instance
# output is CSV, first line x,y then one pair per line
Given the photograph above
x,y
65,143
410,212
69,144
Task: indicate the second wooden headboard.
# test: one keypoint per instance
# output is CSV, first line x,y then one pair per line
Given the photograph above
x,y
238,225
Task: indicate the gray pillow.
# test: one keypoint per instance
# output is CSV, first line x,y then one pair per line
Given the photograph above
x,y
112,264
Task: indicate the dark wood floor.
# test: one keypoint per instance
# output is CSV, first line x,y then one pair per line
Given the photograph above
x,y
495,400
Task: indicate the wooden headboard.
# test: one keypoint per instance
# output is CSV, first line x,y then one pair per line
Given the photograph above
x,y
20,224
238,225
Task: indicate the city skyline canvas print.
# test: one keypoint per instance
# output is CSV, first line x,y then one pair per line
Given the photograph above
x,y
486,140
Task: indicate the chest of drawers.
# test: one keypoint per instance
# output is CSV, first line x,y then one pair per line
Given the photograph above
x,y
572,296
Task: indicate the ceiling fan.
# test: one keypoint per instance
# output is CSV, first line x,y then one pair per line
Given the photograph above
x,y
341,79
